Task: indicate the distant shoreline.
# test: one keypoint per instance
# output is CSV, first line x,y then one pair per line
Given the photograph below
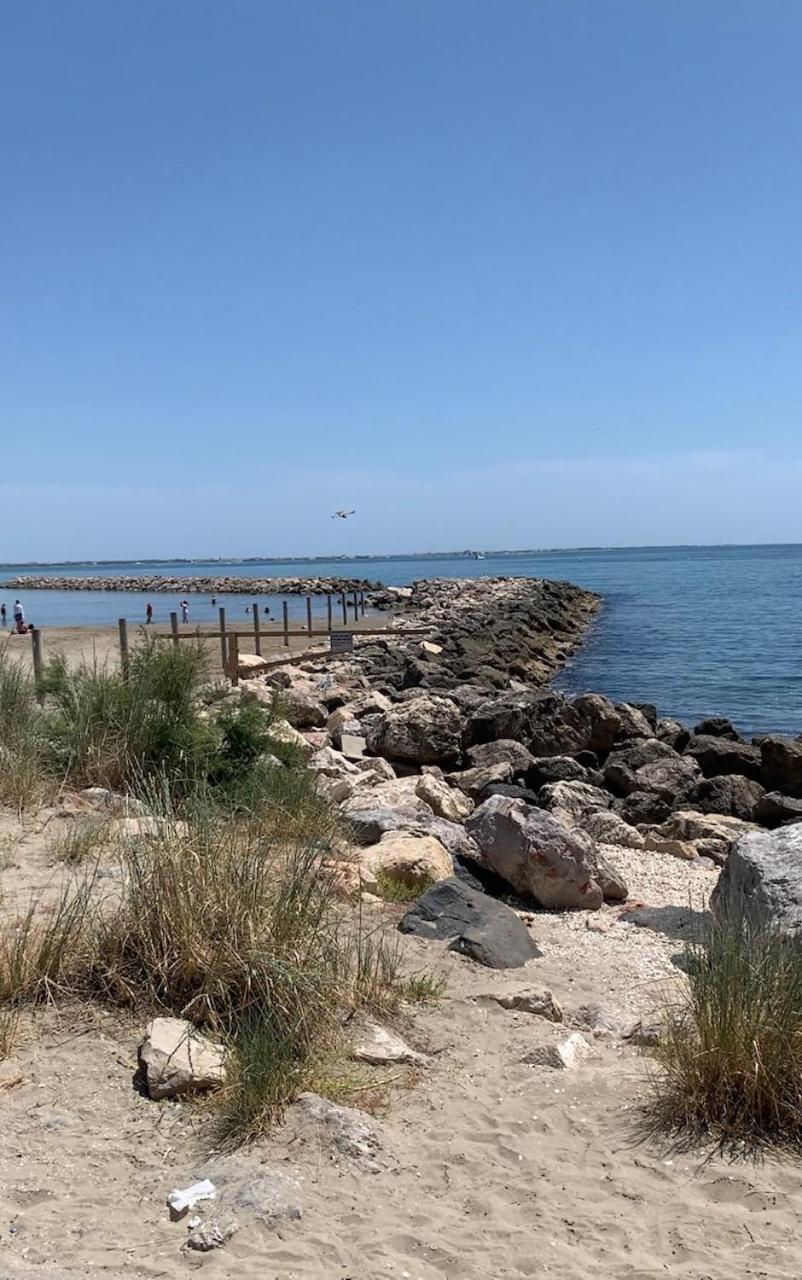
x,y
392,557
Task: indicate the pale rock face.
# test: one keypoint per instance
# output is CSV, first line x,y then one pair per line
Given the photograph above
x,y
541,1004
412,860
376,1045
609,828
674,848
176,1059
251,664
444,801
282,731
564,1056
557,865
571,802
762,880
425,730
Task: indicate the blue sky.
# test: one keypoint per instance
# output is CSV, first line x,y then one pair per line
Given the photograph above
x,y
494,272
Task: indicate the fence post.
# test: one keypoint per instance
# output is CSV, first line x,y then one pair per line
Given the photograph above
x,y
223,649
328,613
174,627
257,637
123,629
309,614
344,602
362,603
286,624
38,664
233,657
356,606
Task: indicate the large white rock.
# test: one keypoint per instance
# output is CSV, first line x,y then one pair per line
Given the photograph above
x,y
425,730
176,1059
444,801
412,860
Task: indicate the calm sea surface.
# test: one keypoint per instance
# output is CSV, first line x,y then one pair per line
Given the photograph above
x,y
697,630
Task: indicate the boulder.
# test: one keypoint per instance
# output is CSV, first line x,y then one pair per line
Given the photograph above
x,y
563,1056
409,859
600,722
609,828
633,722
302,709
425,730
541,1004
351,1133
730,794
672,732
476,925
613,884
537,855
445,801
570,802
716,756
655,842
781,765
511,789
504,751
649,712
546,769
541,719
717,727
283,732
762,880
175,1058
669,779
642,807
369,823
250,665
473,781
776,810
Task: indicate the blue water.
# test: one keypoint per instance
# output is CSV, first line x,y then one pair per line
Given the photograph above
x,y
696,630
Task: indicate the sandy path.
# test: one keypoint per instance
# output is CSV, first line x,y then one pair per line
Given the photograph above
x,y
497,1168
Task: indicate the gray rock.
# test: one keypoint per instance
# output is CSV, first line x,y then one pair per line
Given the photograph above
x,y
212,1233
633,722
504,751
716,756
175,1058
781,765
246,1185
547,769
425,730
571,802
537,855
718,727
642,807
731,794
370,823
541,1004
303,710
762,880
473,781
672,732
600,720
351,1133
776,810
609,828
477,925
621,765
541,719
669,779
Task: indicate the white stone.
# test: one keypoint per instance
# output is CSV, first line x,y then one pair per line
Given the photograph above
x,y
177,1059
375,1044
563,1056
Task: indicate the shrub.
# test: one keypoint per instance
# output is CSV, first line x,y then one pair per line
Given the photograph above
x,y
395,889
23,777
730,1055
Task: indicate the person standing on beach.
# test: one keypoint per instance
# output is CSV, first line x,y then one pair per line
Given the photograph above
x,y
3,613
148,613
184,610
18,615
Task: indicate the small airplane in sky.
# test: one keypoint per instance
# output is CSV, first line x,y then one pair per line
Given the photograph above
x,y
343,515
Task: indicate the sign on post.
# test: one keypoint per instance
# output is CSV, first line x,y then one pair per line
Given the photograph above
x,y
341,642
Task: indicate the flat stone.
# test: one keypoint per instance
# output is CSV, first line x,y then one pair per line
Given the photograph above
x,y
478,926
541,1004
176,1059
353,746
375,1044
561,1057
352,1133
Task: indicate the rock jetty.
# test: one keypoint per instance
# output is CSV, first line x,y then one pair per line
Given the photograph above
x,y
203,586
455,762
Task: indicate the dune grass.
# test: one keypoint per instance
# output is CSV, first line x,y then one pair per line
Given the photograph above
x,y
729,1059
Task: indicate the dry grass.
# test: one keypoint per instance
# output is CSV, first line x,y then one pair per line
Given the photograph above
x,y
80,838
729,1061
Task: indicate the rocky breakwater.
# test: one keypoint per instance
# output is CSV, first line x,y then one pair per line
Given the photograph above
x,y
497,796
157,583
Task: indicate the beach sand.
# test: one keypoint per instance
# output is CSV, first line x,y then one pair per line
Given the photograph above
x,y
493,1168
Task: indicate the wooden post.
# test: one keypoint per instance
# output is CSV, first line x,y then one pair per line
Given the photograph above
x,y
356,606
124,663
233,657
362,603
344,601
328,613
38,664
174,627
286,624
309,614
223,648
257,638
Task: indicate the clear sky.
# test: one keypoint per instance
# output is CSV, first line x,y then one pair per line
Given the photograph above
x,y
496,273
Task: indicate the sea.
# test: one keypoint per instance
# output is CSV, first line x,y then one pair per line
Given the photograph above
x,y
696,630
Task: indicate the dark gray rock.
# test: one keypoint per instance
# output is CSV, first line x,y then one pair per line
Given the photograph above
x,y
621,765
776,810
511,789
599,721
541,719
672,732
730,794
371,823
649,712
718,727
547,769
633,722
762,880
476,925
642,807
781,765
717,756
670,778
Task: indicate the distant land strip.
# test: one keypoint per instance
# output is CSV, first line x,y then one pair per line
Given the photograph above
x,y
196,586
